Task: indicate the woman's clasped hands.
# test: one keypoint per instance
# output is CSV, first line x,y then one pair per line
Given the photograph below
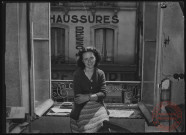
x,y
81,98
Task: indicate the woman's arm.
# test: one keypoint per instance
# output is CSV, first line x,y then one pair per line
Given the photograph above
x,y
102,89
79,98
99,96
76,84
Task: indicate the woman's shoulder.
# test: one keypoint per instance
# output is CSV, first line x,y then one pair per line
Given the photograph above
x,y
77,71
99,71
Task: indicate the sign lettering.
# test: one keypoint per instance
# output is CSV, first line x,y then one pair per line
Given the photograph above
x,y
79,37
84,19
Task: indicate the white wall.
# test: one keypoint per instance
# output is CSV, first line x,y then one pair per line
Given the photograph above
x,y
173,53
126,32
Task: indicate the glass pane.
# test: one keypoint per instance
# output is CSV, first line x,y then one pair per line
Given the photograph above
x,y
99,41
149,62
41,71
148,75
109,45
58,46
104,42
40,26
148,94
53,32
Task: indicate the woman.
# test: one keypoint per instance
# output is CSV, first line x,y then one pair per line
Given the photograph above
x,y
88,111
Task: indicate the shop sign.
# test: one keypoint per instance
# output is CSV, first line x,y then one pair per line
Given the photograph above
x,y
101,19
79,37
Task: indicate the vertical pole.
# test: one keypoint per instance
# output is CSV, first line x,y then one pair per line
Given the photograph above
x,y
49,31
158,61
142,61
29,57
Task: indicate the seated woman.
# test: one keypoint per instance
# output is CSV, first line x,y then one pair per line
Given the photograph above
x,y
89,111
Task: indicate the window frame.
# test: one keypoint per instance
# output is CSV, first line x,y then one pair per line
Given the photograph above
x,y
66,28
105,26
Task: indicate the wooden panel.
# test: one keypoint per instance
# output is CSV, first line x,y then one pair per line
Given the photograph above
x,y
148,93
149,61
41,67
42,70
150,20
50,124
12,74
134,125
41,22
41,57
149,52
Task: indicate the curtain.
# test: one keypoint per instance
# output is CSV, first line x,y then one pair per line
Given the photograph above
x,y
99,41
104,43
109,44
58,45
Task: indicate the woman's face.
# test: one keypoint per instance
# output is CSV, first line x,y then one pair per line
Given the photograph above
x,y
89,59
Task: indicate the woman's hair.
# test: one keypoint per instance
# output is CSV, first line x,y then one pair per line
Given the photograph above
x,y
84,50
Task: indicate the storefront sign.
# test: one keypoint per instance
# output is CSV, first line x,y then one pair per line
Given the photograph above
x,y
79,37
84,19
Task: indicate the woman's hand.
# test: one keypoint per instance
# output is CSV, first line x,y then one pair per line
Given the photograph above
x,y
81,98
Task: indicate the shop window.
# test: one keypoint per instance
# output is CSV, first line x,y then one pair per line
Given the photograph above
x,y
104,42
58,45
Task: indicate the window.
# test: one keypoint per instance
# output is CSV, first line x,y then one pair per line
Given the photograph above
x,y
40,76
58,45
104,38
104,42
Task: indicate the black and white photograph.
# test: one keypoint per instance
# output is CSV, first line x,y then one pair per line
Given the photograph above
x,y
93,67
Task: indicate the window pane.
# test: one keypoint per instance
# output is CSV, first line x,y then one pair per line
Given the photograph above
x,y
53,42
104,42
109,44
40,29
58,45
42,71
99,41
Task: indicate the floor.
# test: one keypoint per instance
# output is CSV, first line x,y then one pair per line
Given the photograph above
x,y
158,128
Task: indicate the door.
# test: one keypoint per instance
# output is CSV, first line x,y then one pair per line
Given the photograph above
x,y
40,54
149,53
